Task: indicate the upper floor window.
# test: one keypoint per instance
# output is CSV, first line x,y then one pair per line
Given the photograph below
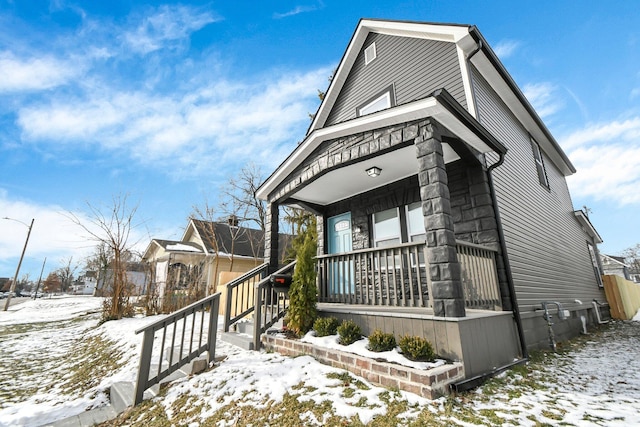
x,y
542,173
381,101
594,262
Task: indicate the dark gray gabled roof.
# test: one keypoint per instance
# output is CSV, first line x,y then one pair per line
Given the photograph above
x,y
229,239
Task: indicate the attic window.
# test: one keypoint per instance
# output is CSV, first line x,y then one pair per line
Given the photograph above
x,y
380,101
370,53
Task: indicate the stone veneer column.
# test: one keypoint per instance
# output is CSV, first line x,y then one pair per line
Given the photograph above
x,y
444,269
271,250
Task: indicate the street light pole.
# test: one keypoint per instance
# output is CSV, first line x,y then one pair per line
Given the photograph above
x,y
15,278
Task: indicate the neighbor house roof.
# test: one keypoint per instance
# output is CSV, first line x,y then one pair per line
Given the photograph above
x,y
241,241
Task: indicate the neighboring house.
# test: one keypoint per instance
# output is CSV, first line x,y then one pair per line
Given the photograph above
x,y
136,278
442,203
205,250
614,265
85,284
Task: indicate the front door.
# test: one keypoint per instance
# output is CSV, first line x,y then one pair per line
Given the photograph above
x,y
341,271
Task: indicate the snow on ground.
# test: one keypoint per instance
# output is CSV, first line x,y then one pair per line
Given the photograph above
x,y
595,384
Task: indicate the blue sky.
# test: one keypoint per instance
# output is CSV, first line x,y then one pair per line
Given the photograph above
x,y
165,101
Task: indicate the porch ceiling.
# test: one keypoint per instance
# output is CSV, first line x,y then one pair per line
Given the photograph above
x,y
347,181
440,106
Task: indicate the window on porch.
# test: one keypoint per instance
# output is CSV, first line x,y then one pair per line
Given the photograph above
x,y
399,225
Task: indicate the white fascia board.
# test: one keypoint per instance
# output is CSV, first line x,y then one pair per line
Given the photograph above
x,y
588,227
443,32
428,107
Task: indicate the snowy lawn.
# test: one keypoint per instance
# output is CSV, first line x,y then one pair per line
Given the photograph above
x,y
58,362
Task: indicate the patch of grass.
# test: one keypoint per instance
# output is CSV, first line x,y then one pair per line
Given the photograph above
x,y
348,380
104,361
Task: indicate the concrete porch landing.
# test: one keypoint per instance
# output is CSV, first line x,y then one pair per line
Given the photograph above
x,y
483,341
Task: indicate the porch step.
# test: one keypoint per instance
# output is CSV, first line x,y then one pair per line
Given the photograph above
x,y
243,341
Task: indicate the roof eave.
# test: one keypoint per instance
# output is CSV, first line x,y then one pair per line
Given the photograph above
x,y
583,219
566,166
440,105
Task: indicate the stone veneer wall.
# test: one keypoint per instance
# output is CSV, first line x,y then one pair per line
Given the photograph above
x,y
456,201
430,383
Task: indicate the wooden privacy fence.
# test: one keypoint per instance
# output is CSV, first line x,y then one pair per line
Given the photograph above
x,y
623,296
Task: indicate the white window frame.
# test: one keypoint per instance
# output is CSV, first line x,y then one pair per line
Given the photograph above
x,y
379,102
383,241
370,53
540,168
412,236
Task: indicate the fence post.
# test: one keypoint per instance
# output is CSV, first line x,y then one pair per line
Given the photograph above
x,y
257,324
227,309
213,326
145,365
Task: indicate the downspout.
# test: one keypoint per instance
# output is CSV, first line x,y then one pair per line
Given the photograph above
x,y
505,257
503,246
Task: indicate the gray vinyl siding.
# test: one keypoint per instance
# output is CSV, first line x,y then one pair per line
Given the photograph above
x,y
546,245
415,67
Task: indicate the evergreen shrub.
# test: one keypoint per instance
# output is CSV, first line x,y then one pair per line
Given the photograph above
x,y
325,326
416,348
349,332
380,341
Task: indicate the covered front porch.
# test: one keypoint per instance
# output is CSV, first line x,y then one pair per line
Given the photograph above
x,y
408,235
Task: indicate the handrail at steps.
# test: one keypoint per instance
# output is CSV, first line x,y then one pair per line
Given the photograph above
x,y
269,305
210,304
240,295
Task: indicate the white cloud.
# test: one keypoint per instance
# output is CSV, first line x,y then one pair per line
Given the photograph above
x,y
53,235
606,156
168,24
52,232
543,97
506,48
34,73
626,130
298,9
186,129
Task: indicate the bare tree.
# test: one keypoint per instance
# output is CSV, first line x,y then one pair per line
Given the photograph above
x,y
206,214
99,262
111,228
239,197
66,273
632,257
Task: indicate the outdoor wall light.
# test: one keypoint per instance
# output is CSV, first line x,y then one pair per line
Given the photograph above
x,y
374,171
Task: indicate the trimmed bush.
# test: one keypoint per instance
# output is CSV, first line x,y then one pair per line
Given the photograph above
x,y
349,332
416,348
379,341
325,326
